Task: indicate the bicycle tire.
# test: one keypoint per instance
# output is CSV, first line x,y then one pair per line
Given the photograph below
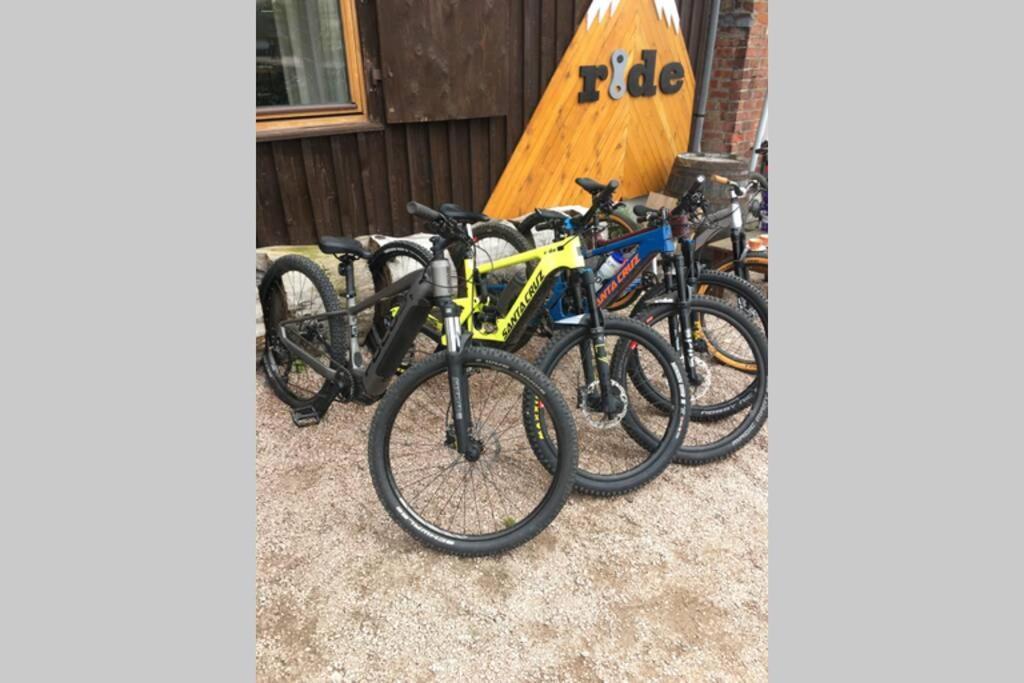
x,y
754,396
428,533
382,265
661,450
278,364
742,289
757,264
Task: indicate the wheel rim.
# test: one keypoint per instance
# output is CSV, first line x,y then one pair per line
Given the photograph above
x,y
440,489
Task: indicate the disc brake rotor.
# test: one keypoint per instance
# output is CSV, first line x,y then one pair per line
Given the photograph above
x,y
704,372
598,419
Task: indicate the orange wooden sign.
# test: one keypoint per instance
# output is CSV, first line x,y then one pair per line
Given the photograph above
x,y
618,106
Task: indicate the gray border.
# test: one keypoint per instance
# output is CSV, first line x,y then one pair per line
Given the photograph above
x,y
128,485
892,554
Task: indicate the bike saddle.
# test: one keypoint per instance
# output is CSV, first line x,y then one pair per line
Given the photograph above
x,y
461,215
549,214
594,187
330,244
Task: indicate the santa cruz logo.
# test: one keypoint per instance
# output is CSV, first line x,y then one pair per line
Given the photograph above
x,y
639,81
612,285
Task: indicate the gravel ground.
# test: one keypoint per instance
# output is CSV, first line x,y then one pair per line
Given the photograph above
x,y
666,583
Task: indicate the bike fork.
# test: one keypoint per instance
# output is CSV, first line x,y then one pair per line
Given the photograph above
x,y
595,356
682,339
458,383
739,241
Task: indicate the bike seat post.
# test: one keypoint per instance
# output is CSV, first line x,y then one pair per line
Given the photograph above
x,y
347,270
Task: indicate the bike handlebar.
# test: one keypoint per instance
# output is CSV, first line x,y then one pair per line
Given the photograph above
x,y
755,178
424,212
697,184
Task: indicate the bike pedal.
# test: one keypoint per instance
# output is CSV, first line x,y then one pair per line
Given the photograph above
x,y
306,416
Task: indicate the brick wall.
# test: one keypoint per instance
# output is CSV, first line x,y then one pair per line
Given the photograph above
x,y
739,79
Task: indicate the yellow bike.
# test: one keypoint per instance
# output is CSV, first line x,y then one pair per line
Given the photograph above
x,y
590,358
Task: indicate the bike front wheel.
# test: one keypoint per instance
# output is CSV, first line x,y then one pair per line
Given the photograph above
x,y
625,442
728,405
757,271
447,501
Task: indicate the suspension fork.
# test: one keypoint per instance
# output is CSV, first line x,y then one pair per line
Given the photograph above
x,y
458,382
595,355
681,326
671,279
739,240
586,351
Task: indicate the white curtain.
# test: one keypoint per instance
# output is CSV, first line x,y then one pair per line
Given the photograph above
x,y
312,51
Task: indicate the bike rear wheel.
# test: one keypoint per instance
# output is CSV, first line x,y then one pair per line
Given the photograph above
x,y
295,287
441,498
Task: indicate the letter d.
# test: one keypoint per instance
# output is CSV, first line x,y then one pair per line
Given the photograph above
x,y
644,71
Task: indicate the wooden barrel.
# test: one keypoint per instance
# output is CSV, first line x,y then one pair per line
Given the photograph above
x,y
688,166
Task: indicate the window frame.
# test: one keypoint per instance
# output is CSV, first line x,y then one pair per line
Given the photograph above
x,y
282,118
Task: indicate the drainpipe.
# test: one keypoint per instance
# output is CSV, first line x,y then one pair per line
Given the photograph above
x,y
761,126
705,79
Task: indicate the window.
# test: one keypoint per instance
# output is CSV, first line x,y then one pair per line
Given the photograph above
x,y
308,65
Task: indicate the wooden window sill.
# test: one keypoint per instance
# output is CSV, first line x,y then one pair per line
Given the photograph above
x,y
285,129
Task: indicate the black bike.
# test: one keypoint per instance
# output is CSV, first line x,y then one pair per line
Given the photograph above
x,y
450,458
725,351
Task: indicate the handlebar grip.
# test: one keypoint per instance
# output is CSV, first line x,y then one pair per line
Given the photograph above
x,y
613,185
697,184
421,211
721,180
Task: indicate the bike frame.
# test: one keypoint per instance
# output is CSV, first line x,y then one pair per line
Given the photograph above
x,y
678,268
563,254
426,289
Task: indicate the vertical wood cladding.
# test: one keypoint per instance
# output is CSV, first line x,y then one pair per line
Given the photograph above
x,y
444,59
358,183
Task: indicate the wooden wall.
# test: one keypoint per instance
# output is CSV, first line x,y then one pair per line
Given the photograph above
x,y
359,182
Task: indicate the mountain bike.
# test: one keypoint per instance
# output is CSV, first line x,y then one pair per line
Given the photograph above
x,y
750,266
448,465
591,361
722,347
